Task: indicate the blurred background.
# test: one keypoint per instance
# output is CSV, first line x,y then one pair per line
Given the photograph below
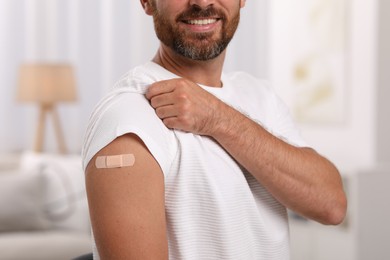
x,y
328,60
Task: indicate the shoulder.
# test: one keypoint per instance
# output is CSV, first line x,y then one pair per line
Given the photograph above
x,y
250,85
133,200
241,76
251,89
126,110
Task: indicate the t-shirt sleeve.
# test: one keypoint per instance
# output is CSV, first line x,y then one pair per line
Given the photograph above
x,y
129,113
284,126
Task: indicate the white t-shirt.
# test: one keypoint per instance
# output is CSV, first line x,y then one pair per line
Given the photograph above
x,y
214,208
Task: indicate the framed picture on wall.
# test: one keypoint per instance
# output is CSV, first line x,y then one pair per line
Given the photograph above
x,y
313,35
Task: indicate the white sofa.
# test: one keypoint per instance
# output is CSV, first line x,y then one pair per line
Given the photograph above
x,y
43,208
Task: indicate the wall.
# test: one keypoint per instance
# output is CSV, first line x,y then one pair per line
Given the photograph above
x,y
103,39
351,144
383,104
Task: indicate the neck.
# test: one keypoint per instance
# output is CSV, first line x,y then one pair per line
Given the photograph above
x,y
202,72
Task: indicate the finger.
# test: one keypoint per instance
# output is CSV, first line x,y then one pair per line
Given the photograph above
x,y
160,87
166,112
179,123
172,123
162,100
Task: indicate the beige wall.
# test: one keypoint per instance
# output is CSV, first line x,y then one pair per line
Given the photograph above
x,y
350,144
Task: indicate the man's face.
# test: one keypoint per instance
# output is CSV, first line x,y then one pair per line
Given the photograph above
x,y
195,32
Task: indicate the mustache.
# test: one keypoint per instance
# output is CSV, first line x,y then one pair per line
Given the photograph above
x,y
195,12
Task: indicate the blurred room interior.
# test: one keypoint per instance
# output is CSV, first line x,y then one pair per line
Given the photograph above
x,y
329,61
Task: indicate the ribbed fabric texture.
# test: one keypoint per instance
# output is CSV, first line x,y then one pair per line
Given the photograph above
x,y
217,211
214,208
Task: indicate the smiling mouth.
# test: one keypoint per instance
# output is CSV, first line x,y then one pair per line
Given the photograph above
x,y
201,21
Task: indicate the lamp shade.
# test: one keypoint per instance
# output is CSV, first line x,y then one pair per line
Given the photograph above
x,y
46,83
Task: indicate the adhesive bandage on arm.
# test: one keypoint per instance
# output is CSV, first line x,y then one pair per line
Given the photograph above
x,y
115,161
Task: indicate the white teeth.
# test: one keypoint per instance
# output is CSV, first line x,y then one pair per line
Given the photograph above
x,y
202,22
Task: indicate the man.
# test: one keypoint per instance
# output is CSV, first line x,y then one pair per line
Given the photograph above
x,y
186,162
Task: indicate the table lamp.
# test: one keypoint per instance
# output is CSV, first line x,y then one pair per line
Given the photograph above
x,y
47,84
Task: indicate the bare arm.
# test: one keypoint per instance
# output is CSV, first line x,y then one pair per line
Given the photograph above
x,y
127,204
299,178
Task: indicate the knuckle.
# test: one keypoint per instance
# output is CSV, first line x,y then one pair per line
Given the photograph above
x,y
185,121
180,92
184,109
182,86
182,98
181,82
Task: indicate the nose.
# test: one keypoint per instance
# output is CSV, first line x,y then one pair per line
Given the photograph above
x,y
202,4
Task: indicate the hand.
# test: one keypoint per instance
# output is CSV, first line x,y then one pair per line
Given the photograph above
x,y
183,105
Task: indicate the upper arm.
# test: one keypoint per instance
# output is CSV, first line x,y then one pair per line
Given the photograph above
x,y
127,204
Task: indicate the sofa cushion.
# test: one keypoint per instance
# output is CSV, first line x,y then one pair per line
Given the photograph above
x,y
21,199
44,245
65,197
